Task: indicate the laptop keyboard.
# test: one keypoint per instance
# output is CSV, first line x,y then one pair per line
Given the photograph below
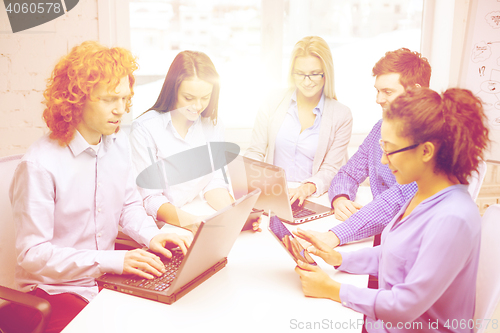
x,y
300,211
162,282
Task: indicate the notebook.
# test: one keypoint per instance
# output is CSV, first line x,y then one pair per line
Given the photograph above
x,y
248,174
206,256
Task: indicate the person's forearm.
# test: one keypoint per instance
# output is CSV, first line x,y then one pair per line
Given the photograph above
x,y
170,214
218,198
334,291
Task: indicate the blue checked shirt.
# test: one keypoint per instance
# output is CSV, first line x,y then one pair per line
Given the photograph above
x,y
388,195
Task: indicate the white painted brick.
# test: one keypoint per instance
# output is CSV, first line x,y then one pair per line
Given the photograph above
x,y
12,101
9,45
55,48
7,151
4,21
35,108
4,82
78,10
39,82
16,119
4,64
88,8
32,47
22,82
76,40
91,28
23,139
18,63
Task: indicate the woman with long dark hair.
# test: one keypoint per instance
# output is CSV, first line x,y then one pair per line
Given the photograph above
x,y
183,117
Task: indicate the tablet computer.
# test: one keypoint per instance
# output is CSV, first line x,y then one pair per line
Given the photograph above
x,y
288,241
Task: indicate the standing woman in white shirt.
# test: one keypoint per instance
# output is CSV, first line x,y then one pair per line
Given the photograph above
x,y
305,130
183,117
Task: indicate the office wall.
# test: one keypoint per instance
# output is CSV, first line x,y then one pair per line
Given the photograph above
x,y
26,60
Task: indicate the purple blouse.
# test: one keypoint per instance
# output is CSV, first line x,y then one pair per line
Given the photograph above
x,y
426,265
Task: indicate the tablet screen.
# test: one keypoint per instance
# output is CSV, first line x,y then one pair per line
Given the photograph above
x,y
289,242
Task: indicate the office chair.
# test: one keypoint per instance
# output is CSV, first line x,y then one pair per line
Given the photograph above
x,y
488,276
8,165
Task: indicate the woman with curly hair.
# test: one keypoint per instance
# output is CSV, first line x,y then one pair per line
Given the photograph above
x,y
428,259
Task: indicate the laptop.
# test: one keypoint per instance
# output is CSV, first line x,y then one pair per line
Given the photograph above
x,y
206,256
248,174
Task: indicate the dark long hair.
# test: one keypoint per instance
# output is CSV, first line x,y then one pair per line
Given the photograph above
x,y
189,64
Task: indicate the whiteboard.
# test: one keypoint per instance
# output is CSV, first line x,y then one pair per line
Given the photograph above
x,y
480,71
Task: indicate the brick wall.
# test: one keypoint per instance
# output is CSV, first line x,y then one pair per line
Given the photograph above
x,y
26,61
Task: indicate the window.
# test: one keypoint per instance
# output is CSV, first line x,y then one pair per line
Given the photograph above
x,y
231,33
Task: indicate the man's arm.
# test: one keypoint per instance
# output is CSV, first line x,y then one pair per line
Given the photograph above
x,y
373,217
350,176
32,194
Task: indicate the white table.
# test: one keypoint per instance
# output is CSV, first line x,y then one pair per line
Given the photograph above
x,y
258,291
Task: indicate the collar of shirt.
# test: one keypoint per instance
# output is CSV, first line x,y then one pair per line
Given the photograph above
x,y
317,110
167,118
79,145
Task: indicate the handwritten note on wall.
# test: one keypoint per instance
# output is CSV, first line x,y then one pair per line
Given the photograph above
x,y
481,70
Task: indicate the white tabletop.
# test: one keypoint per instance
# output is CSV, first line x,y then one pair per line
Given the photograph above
x,y
258,291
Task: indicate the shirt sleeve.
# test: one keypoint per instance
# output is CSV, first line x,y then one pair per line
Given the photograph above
x,y
217,180
260,135
140,142
32,194
353,173
364,261
372,218
425,282
134,220
334,156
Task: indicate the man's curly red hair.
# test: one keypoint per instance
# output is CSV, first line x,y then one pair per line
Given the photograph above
x,y
73,80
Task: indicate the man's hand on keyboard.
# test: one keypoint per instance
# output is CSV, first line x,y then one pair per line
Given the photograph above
x,y
142,263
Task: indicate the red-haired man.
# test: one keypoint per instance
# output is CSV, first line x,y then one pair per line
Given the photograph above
x,y
75,187
394,73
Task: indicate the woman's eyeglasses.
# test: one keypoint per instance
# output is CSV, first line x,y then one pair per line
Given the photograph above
x,y
387,154
312,77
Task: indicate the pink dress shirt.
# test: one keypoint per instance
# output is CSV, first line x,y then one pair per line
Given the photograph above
x,y
67,203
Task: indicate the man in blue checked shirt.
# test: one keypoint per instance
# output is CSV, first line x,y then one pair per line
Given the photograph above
x,y
394,73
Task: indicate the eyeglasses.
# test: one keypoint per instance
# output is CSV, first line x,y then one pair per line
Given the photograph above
x,y
387,154
312,77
